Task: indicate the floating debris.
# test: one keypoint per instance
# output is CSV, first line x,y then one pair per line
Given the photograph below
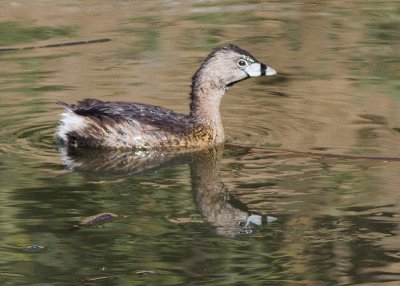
x,y
98,279
34,248
96,220
179,220
145,272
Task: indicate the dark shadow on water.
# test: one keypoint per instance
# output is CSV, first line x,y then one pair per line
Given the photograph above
x,y
229,216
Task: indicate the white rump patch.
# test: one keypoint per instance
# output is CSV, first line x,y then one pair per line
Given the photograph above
x,y
70,121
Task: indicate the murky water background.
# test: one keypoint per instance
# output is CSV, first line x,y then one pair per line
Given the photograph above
x,y
194,219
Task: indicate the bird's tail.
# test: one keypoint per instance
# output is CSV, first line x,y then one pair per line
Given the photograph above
x,y
63,104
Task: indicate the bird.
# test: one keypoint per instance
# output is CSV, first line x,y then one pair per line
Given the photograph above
x,y
92,123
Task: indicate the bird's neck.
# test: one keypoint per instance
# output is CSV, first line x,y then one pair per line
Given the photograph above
x,y
206,98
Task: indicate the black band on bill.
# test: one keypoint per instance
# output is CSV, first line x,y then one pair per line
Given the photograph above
x,y
263,68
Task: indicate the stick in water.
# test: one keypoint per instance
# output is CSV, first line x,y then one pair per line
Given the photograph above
x,y
75,43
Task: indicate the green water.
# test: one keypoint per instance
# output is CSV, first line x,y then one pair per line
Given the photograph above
x,y
252,213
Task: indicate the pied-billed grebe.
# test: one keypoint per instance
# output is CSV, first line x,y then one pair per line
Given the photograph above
x,y
94,123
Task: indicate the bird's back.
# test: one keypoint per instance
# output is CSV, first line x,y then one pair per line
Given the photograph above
x,y
94,123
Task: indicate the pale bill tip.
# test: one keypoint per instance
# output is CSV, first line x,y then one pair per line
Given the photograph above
x,y
270,71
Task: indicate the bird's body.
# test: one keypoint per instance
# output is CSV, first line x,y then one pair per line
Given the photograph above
x,y
94,123
130,125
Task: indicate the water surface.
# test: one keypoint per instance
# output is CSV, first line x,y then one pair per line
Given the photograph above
x,y
253,213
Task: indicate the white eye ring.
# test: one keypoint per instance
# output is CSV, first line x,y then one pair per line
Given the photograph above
x,y
242,63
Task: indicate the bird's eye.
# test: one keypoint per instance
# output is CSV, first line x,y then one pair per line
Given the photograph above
x,y
242,63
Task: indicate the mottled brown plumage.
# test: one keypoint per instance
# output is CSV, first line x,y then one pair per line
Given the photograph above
x,y
94,123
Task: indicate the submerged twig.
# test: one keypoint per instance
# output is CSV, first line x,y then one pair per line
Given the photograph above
x,y
284,152
74,43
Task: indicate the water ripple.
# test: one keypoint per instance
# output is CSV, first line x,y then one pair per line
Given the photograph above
x,y
23,132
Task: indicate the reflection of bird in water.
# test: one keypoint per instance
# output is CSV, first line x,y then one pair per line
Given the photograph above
x,y
229,217
213,199
94,123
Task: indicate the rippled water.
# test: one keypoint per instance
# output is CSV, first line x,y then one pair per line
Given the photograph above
x,y
279,205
